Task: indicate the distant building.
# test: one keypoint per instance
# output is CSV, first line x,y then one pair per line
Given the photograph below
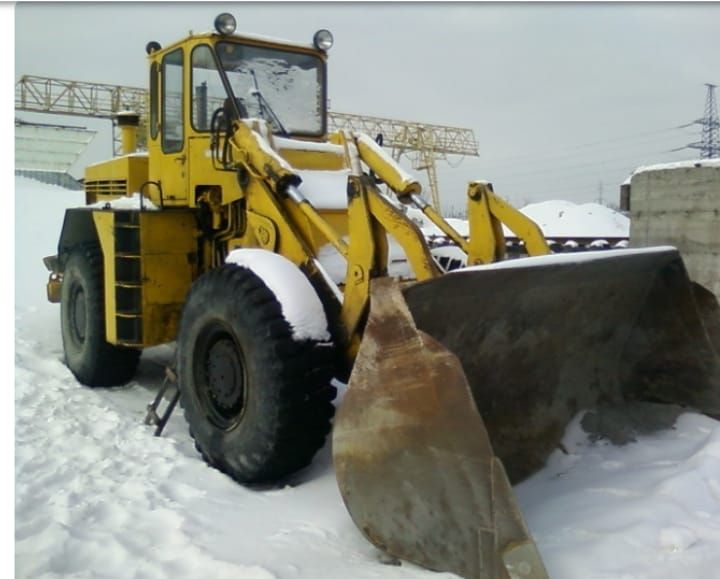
x,y
678,204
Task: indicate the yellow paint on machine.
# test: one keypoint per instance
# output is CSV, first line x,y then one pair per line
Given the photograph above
x,y
150,261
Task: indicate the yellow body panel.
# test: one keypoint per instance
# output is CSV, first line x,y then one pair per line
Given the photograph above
x,y
115,178
304,159
150,261
104,221
203,175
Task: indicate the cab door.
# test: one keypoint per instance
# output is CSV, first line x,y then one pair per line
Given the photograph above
x,y
173,174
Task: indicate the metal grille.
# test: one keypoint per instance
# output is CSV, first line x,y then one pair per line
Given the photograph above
x,y
106,187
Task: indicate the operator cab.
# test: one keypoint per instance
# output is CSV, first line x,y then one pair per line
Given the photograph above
x,y
200,84
283,84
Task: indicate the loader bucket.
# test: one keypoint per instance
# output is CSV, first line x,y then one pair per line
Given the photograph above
x,y
463,378
413,459
541,342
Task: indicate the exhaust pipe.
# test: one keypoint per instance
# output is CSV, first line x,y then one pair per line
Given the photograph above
x,y
128,122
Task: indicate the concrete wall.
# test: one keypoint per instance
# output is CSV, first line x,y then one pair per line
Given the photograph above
x,y
679,205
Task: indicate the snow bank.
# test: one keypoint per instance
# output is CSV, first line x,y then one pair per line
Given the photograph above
x,y
556,218
566,219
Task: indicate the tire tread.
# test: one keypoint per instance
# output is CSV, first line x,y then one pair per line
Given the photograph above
x,y
299,405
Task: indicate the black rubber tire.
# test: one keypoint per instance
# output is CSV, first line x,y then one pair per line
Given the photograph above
x,y
257,402
90,358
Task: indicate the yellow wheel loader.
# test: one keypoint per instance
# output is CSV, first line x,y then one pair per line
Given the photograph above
x,y
224,237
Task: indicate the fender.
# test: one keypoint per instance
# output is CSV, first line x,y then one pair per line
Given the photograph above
x,y
78,227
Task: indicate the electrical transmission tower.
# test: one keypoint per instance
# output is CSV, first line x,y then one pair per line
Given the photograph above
x,y
709,146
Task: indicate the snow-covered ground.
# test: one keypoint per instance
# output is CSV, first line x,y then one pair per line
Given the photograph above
x,y
97,495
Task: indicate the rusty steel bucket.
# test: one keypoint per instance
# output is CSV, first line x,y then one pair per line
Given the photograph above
x,y
462,379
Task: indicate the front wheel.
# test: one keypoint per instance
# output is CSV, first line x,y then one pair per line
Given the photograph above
x,y
258,403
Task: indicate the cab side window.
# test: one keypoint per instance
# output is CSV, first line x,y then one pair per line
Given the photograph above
x,y
154,125
208,90
172,100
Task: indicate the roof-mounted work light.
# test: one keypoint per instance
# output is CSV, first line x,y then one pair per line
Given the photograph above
x,y
323,40
225,23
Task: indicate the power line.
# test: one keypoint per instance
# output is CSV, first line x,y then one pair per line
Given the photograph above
x,y
600,164
574,149
574,170
577,181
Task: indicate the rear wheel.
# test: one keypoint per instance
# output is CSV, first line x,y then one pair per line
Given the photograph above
x,y
258,403
92,360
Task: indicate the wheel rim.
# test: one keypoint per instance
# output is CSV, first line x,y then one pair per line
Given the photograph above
x,y
78,314
220,377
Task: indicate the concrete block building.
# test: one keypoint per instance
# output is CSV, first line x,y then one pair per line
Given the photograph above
x,y
679,204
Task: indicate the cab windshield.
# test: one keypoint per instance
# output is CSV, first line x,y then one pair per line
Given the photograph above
x,y
284,88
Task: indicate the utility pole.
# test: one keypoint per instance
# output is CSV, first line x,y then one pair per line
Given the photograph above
x,y
709,145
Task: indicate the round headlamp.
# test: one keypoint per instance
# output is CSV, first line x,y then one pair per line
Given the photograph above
x,y
152,46
225,23
323,40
